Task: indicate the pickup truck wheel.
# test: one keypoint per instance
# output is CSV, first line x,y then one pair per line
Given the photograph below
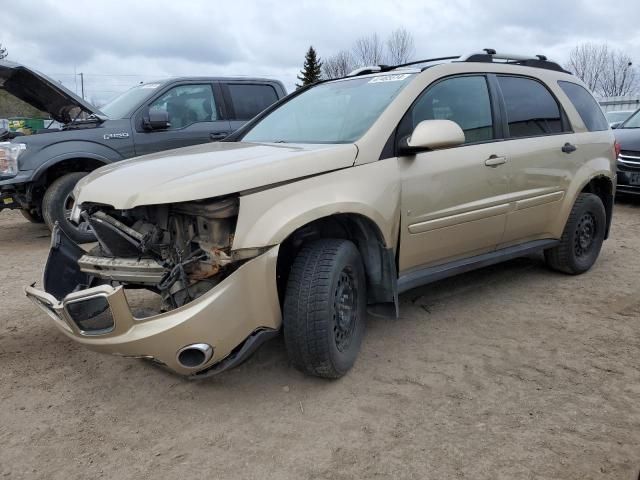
x,y
31,216
325,308
582,238
57,204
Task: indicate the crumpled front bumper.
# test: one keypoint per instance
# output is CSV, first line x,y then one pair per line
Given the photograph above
x,y
233,317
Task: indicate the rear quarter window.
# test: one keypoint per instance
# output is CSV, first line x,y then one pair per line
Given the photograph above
x,y
250,99
586,105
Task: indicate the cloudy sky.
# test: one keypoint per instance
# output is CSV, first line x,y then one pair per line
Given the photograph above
x,y
117,43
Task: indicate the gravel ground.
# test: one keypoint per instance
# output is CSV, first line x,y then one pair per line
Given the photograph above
x,y
508,372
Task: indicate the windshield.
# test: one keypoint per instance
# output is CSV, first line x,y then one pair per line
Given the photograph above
x,y
335,112
633,122
617,116
123,104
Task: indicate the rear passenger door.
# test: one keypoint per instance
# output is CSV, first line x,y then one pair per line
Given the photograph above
x,y
245,100
195,115
536,130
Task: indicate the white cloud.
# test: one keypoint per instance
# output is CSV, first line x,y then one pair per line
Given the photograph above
x,y
149,39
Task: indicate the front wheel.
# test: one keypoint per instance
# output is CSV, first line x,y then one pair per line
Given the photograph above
x,y
582,238
57,204
325,308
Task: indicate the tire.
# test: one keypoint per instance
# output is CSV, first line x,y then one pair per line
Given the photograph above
x,y
325,308
56,207
33,217
582,238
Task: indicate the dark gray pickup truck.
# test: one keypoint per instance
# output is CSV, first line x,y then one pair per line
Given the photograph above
x,y
38,172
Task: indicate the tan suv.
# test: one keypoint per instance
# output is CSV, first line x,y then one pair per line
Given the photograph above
x,y
329,204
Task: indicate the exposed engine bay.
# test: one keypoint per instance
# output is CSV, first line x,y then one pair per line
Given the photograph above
x,y
179,251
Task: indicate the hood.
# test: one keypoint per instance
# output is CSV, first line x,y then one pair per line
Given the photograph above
x,y
43,93
628,138
206,171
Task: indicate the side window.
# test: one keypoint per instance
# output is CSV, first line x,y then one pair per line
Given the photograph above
x,y
531,109
250,99
188,104
464,100
586,105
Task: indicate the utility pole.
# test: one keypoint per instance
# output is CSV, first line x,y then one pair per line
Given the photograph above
x,y
82,84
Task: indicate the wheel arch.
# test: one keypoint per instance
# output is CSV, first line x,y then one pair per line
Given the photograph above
x,y
602,186
76,163
377,257
56,168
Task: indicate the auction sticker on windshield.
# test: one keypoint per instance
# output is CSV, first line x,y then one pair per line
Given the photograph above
x,y
390,78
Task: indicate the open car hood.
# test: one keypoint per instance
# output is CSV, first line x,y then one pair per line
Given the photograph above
x,y
43,93
207,171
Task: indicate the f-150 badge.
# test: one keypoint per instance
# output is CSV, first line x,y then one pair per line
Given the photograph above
x,y
110,136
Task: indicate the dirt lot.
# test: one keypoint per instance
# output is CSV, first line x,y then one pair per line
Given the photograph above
x,y
509,372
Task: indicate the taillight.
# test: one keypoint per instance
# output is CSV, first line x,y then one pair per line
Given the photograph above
x,y
616,148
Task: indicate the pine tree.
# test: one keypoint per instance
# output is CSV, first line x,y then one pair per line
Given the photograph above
x,y
312,70
3,52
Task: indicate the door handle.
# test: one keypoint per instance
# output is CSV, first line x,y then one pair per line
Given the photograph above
x,y
218,135
494,161
569,148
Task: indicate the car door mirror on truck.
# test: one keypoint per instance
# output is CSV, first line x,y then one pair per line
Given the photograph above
x,y
432,134
156,119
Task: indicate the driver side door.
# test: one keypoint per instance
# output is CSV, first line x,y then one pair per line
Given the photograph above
x,y
453,199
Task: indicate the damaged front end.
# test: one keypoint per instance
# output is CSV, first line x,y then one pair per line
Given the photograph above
x,y
160,283
177,251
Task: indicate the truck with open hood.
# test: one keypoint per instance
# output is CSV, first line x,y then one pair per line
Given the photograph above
x,y
39,172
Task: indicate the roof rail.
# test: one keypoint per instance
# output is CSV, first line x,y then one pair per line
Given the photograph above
x,y
489,55
366,70
386,68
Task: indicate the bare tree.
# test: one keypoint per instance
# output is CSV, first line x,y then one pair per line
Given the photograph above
x,y
339,65
3,52
619,77
587,62
400,47
368,51
606,72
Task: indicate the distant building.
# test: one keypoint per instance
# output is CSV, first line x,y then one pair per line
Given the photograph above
x,y
612,104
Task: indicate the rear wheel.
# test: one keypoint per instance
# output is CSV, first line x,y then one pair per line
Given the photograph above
x,y
32,216
325,308
582,238
57,204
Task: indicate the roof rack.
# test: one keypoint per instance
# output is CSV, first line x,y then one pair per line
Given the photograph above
x,y
488,55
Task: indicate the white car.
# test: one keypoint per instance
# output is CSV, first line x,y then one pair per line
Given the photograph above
x,y
617,117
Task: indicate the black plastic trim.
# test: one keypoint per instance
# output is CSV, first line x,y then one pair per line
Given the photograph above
x,y
423,276
240,355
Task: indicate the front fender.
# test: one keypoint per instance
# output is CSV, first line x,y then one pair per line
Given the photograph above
x,y
372,190
58,152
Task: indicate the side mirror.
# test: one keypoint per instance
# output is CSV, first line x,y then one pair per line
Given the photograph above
x,y
432,134
156,119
